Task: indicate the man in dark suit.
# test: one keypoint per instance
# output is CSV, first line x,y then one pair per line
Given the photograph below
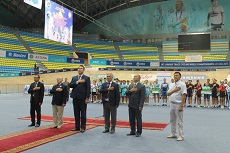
x,y
110,99
59,92
136,91
37,94
80,94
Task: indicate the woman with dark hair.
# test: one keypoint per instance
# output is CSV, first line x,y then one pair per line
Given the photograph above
x,y
198,89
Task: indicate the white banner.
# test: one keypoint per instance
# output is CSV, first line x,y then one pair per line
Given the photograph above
x,y
149,77
34,3
2,53
157,64
194,58
38,57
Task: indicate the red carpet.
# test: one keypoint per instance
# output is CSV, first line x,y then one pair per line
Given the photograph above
x,y
100,122
21,141
28,139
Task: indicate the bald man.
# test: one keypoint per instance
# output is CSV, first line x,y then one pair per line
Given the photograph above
x,y
59,92
136,91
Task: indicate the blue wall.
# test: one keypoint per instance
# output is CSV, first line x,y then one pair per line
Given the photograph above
x,y
147,19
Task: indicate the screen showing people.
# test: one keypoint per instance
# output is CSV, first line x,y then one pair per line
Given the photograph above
x,y
58,23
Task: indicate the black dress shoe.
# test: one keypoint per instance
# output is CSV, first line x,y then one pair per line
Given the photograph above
x,y
130,134
105,131
37,125
112,132
82,130
75,130
138,134
31,125
54,127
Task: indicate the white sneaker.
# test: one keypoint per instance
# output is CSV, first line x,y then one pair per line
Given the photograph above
x,y
222,107
198,106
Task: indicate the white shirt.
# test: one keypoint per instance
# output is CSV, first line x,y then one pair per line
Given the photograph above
x,y
174,21
177,96
170,85
215,14
94,87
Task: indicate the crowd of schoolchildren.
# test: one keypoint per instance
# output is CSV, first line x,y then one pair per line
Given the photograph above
x,y
208,95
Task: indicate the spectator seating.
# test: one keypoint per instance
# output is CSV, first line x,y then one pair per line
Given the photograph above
x,y
8,41
132,51
97,49
16,66
40,45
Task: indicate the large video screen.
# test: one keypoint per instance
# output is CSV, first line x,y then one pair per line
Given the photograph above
x,y
194,42
34,3
58,23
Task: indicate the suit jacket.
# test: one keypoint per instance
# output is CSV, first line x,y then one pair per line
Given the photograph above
x,y
80,91
59,98
136,98
36,95
113,95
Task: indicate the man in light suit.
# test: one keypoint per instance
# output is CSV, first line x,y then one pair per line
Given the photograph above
x,y
136,91
110,99
80,94
59,92
37,94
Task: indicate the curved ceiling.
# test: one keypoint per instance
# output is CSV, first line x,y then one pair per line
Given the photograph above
x,y
94,8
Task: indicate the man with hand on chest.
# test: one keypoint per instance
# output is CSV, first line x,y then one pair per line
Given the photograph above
x,y
80,94
136,91
59,92
37,94
110,98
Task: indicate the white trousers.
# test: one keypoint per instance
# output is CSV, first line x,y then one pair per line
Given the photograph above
x,y
176,120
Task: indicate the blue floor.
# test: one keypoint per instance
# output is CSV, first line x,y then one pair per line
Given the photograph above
x,y
206,130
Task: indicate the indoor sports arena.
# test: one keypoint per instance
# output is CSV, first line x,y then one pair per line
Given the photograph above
x,y
99,76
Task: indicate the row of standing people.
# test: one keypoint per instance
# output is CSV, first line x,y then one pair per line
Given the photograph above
x,y
80,85
154,89
159,91
80,94
209,91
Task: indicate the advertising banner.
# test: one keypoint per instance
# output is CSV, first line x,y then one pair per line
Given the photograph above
x,y
2,53
18,55
59,59
38,57
75,60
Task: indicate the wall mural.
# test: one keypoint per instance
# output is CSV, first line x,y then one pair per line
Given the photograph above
x,y
168,17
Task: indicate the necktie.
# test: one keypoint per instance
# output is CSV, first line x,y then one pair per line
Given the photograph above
x,y
79,77
35,85
109,84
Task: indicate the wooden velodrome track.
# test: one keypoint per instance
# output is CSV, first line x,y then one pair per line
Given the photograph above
x,y
51,78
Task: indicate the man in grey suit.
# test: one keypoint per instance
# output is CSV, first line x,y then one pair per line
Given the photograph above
x,y
136,91
110,98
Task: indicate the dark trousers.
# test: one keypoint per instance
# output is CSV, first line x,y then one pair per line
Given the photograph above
x,y
79,108
109,109
135,115
35,107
